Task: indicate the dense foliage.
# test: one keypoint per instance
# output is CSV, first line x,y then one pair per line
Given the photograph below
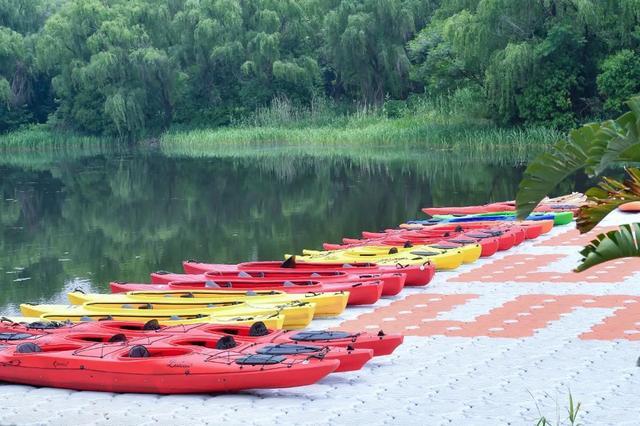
x,y
593,148
136,67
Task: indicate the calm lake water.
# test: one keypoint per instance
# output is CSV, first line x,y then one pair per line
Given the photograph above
x,y
81,220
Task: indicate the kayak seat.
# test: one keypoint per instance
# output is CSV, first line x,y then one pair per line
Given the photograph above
x,y
117,338
139,351
151,325
258,329
289,263
226,342
28,348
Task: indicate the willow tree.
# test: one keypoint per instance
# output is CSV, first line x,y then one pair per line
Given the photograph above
x,y
108,75
364,42
25,16
24,91
280,60
208,47
535,61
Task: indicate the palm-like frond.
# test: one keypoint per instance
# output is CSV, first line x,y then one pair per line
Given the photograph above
x,y
619,140
605,198
610,246
551,168
592,147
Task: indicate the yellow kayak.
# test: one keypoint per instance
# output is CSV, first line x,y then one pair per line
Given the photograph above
x,y
441,259
295,314
470,252
274,321
327,304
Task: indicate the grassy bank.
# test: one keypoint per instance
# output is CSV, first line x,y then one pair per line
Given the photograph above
x,y
42,138
39,146
383,133
425,124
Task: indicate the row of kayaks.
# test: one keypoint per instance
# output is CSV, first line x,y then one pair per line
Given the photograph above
x,y
121,356
204,320
317,283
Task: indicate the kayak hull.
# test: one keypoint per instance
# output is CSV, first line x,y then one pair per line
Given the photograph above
x,y
176,372
416,275
364,293
380,343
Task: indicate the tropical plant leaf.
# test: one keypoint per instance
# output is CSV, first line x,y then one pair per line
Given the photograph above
x,y
618,141
593,147
551,168
610,246
605,198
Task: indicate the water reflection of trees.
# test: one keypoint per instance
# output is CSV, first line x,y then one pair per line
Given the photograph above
x,y
107,217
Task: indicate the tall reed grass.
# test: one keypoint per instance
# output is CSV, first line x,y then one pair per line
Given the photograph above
x,y
453,123
42,138
428,123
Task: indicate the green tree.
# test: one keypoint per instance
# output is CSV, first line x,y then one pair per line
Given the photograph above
x,y
536,61
364,43
619,79
24,91
133,68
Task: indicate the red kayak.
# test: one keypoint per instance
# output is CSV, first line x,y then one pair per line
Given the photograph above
x,y
488,243
490,239
380,343
362,293
508,236
159,367
416,275
406,238
392,283
350,359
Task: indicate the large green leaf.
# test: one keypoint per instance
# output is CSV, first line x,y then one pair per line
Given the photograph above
x,y
605,198
618,141
593,147
610,246
551,168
